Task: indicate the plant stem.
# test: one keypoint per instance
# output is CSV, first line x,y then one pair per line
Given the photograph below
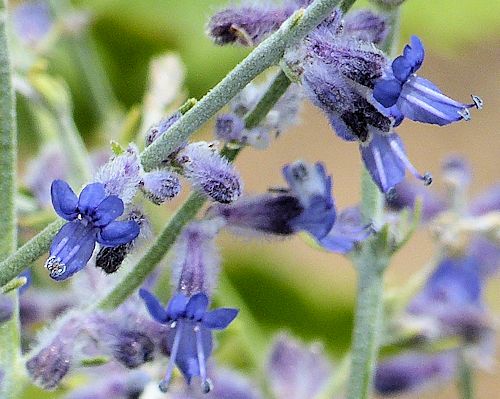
x,y
268,53
371,260
367,325
465,378
189,209
10,341
8,144
29,252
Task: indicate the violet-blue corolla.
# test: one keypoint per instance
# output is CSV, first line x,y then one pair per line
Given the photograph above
x,y
190,339
403,94
338,75
307,204
91,219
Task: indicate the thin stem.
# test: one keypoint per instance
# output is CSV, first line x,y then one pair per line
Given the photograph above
x,y
465,383
370,260
187,211
365,338
8,144
268,53
10,347
28,253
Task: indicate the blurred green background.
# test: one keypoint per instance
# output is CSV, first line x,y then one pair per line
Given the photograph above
x,y
286,284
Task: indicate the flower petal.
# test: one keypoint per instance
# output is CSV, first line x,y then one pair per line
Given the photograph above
x,y
387,91
385,168
488,201
155,308
71,249
108,210
348,230
177,306
401,68
118,233
422,101
64,200
197,306
90,197
219,319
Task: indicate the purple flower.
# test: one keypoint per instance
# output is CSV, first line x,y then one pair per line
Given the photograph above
x,y
91,219
296,371
189,340
418,99
452,299
306,205
338,77
413,371
385,159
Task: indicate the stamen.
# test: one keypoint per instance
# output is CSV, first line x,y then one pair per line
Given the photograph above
x,y
478,101
206,386
398,151
171,362
380,167
465,114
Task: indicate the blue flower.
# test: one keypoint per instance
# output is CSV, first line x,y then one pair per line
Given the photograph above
x,y
91,219
190,338
386,160
401,91
306,205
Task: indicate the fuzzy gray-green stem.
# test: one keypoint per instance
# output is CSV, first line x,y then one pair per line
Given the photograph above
x,y
29,252
465,382
370,260
10,340
268,53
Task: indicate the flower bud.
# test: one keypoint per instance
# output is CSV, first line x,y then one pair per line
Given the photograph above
x,y
158,130
246,26
121,176
160,185
196,263
210,173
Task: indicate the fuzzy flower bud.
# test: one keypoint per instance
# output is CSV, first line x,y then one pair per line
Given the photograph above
x,y
246,26
365,25
49,366
121,176
210,173
196,263
158,130
229,127
160,185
